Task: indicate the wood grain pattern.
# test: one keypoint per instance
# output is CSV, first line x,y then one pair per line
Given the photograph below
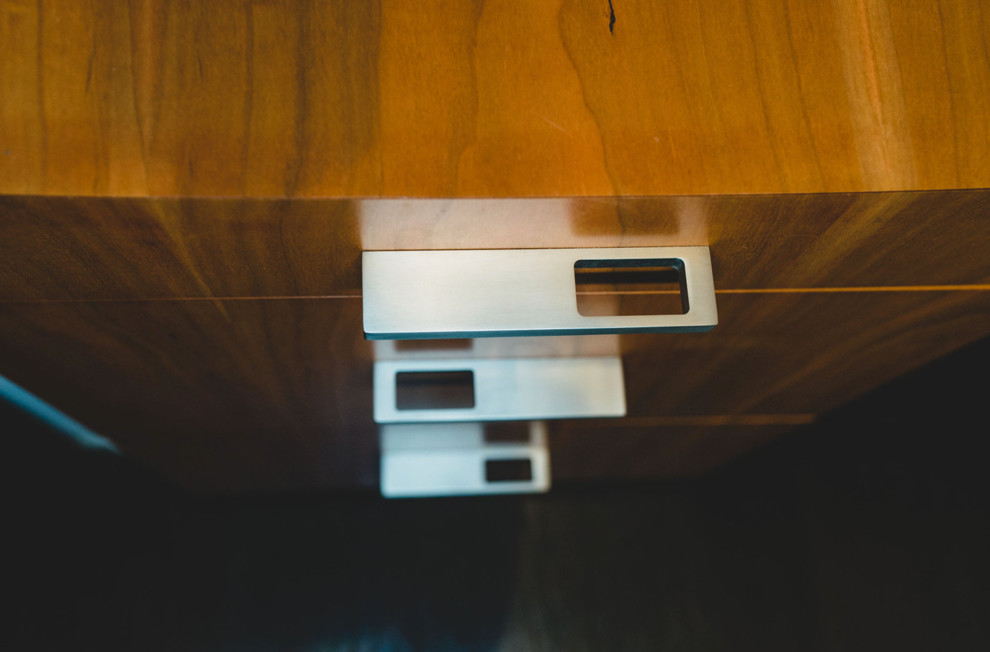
x,y
798,353
127,249
228,395
119,249
219,395
295,98
220,340
185,190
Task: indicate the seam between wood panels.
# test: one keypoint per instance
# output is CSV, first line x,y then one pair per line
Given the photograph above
x,y
324,297
868,288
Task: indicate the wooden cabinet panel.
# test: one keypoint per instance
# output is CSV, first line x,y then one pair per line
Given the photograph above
x,y
446,98
122,249
185,190
797,353
219,395
277,393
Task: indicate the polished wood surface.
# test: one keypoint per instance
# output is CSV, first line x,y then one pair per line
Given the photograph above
x,y
220,340
126,249
276,393
295,98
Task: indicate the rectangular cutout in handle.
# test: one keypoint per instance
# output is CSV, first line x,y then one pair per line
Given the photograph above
x,y
630,287
509,293
434,390
518,469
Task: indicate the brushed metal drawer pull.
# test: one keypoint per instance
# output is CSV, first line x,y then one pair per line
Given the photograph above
x,y
455,459
493,293
503,389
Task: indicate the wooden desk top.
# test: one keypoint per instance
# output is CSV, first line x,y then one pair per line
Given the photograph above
x,y
506,99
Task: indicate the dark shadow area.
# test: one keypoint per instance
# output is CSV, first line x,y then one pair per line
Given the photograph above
x,y
867,531
106,558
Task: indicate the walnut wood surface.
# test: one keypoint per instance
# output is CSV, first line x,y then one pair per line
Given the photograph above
x,y
220,340
448,98
271,393
122,249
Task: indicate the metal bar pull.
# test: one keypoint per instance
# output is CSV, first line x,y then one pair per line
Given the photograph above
x,y
420,391
452,459
491,293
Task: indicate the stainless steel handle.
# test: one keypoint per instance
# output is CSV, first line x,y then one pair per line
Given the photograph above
x,y
453,459
490,293
508,390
